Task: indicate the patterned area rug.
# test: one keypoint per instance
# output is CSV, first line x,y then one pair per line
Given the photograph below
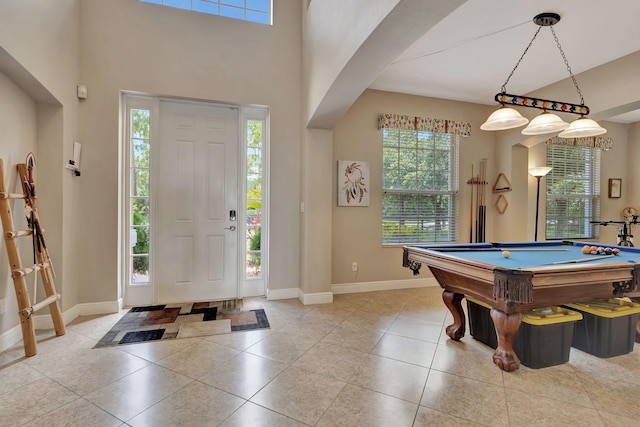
x,y
169,321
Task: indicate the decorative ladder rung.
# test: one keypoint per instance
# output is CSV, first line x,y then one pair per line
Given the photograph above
x,y
37,306
4,195
17,233
21,272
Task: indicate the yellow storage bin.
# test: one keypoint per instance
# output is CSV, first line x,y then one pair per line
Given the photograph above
x,y
550,315
480,323
544,338
608,327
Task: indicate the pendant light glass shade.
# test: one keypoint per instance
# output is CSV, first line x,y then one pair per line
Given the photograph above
x,y
545,123
581,128
504,118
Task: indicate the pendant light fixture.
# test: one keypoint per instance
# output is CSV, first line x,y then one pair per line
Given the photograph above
x,y
504,118
547,122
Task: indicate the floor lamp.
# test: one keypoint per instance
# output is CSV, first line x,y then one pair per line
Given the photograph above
x,y
538,173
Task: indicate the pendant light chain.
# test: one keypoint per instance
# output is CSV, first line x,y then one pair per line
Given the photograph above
x,y
504,85
566,62
564,58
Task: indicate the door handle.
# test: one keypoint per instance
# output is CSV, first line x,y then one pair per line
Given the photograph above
x,y
232,228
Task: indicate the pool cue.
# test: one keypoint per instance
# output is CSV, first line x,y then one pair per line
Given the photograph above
x,y
476,180
471,209
480,213
480,181
573,261
483,207
499,249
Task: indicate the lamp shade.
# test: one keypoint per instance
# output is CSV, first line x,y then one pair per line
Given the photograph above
x,y
582,127
540,171
504,118
545,123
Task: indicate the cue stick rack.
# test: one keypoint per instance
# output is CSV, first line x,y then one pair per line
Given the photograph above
x,y
477,206
42,261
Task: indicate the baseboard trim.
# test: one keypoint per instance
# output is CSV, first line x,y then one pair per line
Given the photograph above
x,y
276,294
14,335
384,285
348,288
87,309
10,338
315,298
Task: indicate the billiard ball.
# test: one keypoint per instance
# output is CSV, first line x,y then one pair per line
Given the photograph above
x,y
506,254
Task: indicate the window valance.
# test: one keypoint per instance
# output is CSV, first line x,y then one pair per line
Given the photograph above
x,y
398,121
592,141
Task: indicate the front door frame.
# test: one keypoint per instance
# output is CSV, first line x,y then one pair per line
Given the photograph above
x,y
147,294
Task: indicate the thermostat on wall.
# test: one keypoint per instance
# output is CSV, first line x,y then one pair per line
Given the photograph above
x,y
82,92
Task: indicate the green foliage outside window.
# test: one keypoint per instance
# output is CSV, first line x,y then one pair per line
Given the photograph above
x,y
573,192
419,186
140,177
254,196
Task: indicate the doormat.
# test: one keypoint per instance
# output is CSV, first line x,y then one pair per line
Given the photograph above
x,y
171,321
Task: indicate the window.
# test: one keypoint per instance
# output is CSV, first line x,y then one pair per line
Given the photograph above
x,y
254,152
420,186
247,10
255,189
139,168
573,192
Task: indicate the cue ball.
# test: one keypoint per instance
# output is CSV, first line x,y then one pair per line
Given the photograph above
x,y
506,254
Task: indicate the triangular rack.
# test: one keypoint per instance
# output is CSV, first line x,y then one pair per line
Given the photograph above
x,y
502,184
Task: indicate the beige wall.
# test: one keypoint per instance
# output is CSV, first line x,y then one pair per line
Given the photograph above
x,y
39,53
18,115
632,190
357,233
50,47
517,153
128,45
615,164
316,220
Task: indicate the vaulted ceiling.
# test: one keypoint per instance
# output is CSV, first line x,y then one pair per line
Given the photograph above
x,y
468,55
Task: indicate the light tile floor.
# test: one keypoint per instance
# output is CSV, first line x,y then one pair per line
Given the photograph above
x,y
368,359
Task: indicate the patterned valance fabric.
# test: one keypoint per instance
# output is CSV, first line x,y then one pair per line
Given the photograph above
x,y
398,121
592,141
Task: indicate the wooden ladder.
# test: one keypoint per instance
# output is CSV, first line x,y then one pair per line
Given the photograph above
x,y
43,261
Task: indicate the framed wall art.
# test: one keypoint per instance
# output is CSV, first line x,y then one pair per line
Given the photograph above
x,y
615,188
353,183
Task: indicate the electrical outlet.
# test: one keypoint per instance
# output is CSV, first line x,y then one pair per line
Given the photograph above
x,y
354,266
3,305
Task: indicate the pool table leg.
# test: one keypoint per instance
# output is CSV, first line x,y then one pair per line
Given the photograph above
x,y
453,301
506,328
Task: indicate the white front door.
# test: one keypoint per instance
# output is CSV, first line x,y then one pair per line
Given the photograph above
x,y
195,235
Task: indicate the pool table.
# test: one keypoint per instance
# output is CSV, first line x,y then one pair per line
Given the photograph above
x,y
535,274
